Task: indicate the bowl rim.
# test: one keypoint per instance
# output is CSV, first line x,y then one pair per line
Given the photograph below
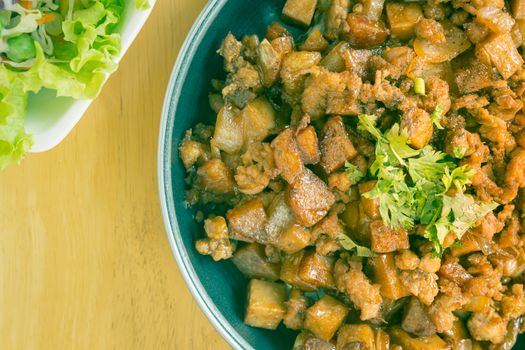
x,y
169,109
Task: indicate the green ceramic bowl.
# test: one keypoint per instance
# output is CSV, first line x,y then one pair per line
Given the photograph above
x,y
219,288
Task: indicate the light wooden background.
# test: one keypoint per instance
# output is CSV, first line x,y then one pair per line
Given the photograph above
x,y
84,259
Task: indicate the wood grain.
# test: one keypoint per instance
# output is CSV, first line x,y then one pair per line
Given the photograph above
x,y
84,259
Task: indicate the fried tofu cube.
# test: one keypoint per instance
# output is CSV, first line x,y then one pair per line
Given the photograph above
x,y
499,50
290,272
266,304
318,270
325,317
253,263
315,41
300,12
403,18
248,222
308,145
287,156
356,333
310,198
293,239
384,239
386,275
215,176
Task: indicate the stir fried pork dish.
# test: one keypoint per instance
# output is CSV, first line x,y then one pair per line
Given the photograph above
x,y
368,175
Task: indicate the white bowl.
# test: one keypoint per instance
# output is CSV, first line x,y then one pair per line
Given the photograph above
x,y
49,118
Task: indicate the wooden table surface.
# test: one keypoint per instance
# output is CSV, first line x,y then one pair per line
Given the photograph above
x,y
84,259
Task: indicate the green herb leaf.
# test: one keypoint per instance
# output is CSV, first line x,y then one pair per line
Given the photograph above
x,y
353,173
459,152
436,116
348,244
367,123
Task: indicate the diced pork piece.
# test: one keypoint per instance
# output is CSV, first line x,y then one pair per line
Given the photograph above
x,y
339,181
253,263
514,175
406,260
402,338
358,61
259,120
476,32
287,156
229,129
191,151
318,270
431,30
299,12
231,51
499,50
416,319
314,41
250,179
454,271
266,304
276,30
346,102
336,147
474,76
310,198
308,145
215,176
317,88
293,239
421,284
334,59
307,341
513,306
487,325
365,295
216,228
219,249
280,217
295,309
403,19
456,42
430,263
290,271
335,18
248,221
386,275
269,62
495,19
419,126
400,58
351,334
325,317
294,68
364,33
385,239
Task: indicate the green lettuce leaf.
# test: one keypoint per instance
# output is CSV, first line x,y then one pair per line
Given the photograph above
x,y
81,63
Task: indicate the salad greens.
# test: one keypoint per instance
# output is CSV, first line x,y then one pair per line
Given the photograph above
x,y
68,46
414,187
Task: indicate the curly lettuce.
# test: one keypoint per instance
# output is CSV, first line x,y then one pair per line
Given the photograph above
x,y
81,59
